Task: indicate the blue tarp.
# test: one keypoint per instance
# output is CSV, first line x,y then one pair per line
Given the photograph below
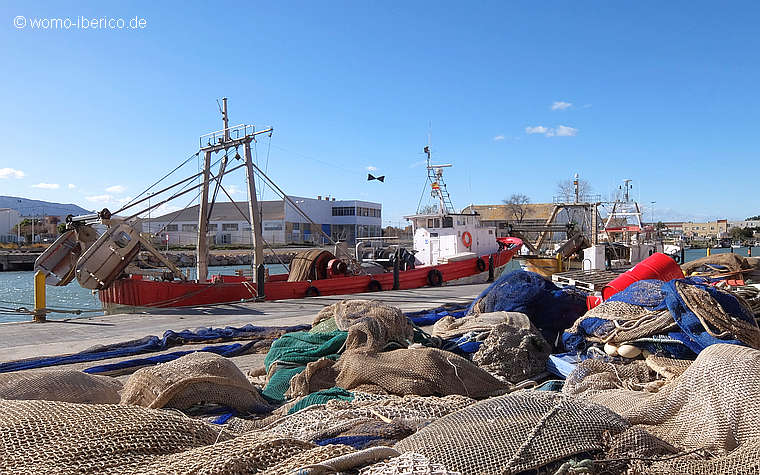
x,y
149,344
428,317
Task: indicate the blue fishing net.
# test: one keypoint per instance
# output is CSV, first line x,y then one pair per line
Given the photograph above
x,y
691,337
550,308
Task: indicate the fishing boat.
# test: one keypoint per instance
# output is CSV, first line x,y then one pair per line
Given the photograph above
x,y
449,248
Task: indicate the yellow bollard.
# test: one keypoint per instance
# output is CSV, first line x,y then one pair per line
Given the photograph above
x,y
559,262
39,296
708,252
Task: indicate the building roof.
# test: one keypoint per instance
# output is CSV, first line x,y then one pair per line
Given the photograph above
x,y
533,211
226,211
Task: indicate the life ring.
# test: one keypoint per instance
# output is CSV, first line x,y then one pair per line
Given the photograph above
x,y
435,278
312,291
467,239
374,286
481,264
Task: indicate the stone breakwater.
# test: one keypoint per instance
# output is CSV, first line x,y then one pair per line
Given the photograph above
x,y
186,259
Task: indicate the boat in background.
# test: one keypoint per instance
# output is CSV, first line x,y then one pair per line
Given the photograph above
x,y
449,248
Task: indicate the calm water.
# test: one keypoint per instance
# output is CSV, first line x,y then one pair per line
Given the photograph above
x,y
17,288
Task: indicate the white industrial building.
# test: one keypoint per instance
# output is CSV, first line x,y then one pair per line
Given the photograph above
x,y
9,218
342,220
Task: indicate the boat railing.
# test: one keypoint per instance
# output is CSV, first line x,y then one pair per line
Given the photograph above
x,y
235,132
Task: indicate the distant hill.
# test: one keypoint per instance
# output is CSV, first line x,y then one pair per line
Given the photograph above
x,y
29,207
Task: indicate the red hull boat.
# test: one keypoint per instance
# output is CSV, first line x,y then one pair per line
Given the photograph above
x,y
136,291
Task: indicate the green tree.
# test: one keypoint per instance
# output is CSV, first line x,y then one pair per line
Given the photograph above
x,y
61,228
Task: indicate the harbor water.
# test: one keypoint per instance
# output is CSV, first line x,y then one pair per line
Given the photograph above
x,y
17,289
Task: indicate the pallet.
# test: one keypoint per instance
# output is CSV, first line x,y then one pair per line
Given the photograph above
x,y
590,280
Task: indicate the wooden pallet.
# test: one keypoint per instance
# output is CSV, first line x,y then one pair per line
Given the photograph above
x,y
591,280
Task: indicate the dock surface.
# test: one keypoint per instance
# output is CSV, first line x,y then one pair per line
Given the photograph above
x,y
21,340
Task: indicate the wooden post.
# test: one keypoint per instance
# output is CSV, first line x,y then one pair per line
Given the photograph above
x,y
202,247
253,210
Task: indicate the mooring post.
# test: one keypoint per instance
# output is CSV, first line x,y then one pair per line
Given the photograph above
x,y
683,256
396,269
490,268
40,305
260,275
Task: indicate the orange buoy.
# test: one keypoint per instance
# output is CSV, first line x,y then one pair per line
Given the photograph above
x,y
467,239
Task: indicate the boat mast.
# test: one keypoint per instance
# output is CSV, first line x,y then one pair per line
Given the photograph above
x,y
244,135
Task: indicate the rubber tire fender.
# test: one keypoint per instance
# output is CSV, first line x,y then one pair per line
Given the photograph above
x,y
374,286
311,291
675,257
481,264
435,278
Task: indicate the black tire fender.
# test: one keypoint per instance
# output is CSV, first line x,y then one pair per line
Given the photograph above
x,y
435,278
312,291
481,264
374,286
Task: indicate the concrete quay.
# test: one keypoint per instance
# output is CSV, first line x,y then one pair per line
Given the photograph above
x,y
20,340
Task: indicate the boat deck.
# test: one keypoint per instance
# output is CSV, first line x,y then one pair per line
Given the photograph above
x,y
21,340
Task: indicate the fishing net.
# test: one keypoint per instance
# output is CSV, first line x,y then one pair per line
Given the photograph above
x,y
318,375
369,418
309,265
60,385
450,327
419,371
197,378
312,456
409,463
348,463
710,406
668,368
593,375
251,452
719,265
58,437
517,432
513,354
678,318
549,308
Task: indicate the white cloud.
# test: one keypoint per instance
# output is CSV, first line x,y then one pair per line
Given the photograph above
x,y
565,131
371,168
560,131
72,186
560,105
539,129
99,198
498,138
233,190
116,189
47,186
11,173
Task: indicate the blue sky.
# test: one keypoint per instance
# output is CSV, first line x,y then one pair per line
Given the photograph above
x,y
520,95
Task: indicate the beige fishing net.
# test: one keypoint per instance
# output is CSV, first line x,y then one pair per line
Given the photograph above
x,y
513,354
41,437
409,463
513,433
60,385
450,327
420,371
309,265
197,378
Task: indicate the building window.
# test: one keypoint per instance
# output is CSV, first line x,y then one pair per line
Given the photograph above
x,y
272,226
344,211
296,226
229,227
189,228
171,227
213,227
